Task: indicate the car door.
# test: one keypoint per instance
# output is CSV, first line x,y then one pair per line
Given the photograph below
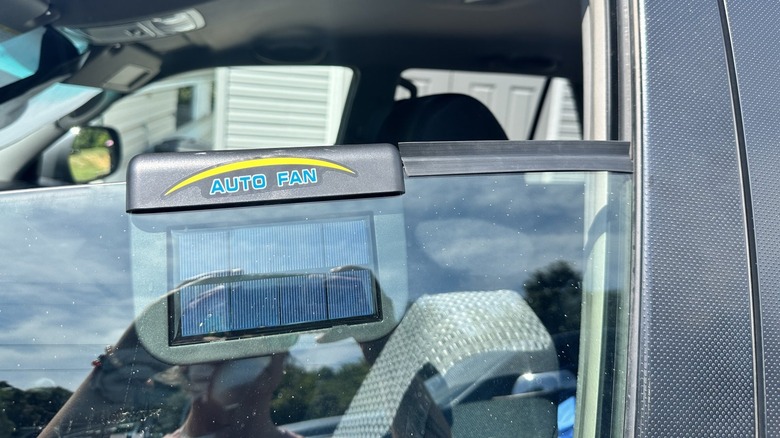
x,y
707,264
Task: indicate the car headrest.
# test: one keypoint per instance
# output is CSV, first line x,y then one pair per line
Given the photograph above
x,y
443,330
440,117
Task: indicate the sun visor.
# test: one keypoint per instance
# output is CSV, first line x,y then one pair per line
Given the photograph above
x,y
122,68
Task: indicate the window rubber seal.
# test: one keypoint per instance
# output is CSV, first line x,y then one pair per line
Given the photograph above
x,y
486,157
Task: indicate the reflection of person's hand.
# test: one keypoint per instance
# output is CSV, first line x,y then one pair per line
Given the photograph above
x,y
125,365
233,398
198,379
225,383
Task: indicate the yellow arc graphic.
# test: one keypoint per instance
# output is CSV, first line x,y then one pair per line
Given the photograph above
x,y
259,162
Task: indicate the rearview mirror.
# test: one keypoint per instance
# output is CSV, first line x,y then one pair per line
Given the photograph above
x,y
94,153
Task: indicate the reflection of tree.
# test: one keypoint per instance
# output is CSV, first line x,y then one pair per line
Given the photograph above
x,y
554,293
168,417
302,395
24,413
91,138
305,395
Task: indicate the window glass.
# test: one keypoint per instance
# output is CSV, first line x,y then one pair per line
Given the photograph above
x,y
521,103
500,288
184,106
19,56
231,108
42,109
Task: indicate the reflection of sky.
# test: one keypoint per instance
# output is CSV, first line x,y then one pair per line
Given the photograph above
x,y
66,283
312,356
488,233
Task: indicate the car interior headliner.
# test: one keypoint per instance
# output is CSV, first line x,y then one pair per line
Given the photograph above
x,y
530,36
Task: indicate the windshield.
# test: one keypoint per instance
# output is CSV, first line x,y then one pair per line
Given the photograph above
x,y
45,108
482,276
19,58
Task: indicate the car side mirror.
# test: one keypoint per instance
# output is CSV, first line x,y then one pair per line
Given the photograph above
x,y
95,153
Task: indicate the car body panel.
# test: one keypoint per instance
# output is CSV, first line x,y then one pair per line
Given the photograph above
x,y
696,336
753,35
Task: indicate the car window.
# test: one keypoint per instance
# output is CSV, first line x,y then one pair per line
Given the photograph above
x,y
488,276
16,60
526,106
46,107
231,108
484,293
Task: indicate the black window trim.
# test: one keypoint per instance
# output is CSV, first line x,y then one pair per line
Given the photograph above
x,y
481,157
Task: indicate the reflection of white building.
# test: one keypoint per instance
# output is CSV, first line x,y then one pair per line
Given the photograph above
x,y
252,107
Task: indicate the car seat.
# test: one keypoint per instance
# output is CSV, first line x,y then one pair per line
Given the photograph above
x,y
464,350
440,117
